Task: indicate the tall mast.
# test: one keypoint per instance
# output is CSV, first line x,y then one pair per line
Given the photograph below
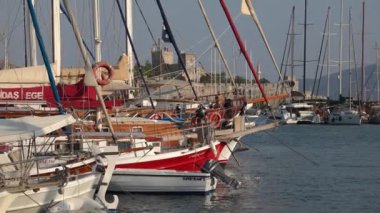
x,y
56,36
97,39
304,51
6,64
377,72
349,57
328,54
128,17
340,49
363,69
292,41
32,40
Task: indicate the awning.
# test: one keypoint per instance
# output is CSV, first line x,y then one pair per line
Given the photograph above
x,y
24,128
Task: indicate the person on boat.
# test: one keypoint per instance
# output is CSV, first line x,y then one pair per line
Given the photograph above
x,y
178,110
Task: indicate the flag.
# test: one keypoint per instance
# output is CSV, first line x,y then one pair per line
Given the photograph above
x,y
245,8
165,36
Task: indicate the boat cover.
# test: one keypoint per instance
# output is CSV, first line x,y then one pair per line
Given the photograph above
x,y
16,129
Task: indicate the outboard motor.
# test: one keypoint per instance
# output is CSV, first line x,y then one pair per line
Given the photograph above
x,y
216,170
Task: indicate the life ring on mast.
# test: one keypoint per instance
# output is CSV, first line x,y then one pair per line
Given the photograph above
x,y
103,79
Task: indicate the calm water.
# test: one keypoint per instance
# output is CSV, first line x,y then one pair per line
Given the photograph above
x,y
290,169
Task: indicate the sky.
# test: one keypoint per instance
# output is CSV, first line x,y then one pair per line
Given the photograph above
x,y
192,35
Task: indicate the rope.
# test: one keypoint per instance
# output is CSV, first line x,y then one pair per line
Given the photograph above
x,y
292,149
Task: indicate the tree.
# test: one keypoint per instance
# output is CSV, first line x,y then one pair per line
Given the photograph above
x,y
146,68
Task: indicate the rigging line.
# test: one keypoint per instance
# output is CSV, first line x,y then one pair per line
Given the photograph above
x,y
292,149
34,201
84,42
14,25
286,52
355,63
146,24
321,49
286,44
151,34
322,68
172,40
207,49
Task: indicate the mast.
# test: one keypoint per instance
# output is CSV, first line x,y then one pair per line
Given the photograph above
x,y
340,49
349,56
6,64
129,18
304,51
363,69
98,51
292,41
377,72
25,33
97,39
328,54
56,37
133,49
172,40
242,48
217,45
32,40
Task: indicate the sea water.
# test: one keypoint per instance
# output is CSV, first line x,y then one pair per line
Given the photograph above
x,y
300,168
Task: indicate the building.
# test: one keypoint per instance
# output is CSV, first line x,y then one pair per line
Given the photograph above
x,y
163,62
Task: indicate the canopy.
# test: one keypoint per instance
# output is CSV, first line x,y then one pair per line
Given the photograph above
x,y
16,129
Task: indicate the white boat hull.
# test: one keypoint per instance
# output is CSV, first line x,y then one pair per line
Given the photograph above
x,y
75,195
344,119
160,181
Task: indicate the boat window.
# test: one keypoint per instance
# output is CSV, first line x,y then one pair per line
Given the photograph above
x,y
137,129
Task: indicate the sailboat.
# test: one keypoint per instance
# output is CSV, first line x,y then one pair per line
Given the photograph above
x,y
341,115
23,189
59,191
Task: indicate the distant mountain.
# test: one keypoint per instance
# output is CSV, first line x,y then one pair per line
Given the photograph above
x,y
371,85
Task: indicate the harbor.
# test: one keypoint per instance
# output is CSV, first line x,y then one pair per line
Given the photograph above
x,y
101,110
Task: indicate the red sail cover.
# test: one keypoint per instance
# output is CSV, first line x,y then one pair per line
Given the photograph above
x,y
73,95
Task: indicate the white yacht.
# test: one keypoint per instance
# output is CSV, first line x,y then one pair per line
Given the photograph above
x,y
300,113
344,117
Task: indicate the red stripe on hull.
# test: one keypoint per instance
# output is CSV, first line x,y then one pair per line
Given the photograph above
x,y
189,162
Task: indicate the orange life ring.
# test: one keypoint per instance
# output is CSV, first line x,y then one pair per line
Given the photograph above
x,y
215,118
156,117
103,79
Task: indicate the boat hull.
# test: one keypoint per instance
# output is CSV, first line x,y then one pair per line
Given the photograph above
x,y
182,160
343,119
75,195
161,181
